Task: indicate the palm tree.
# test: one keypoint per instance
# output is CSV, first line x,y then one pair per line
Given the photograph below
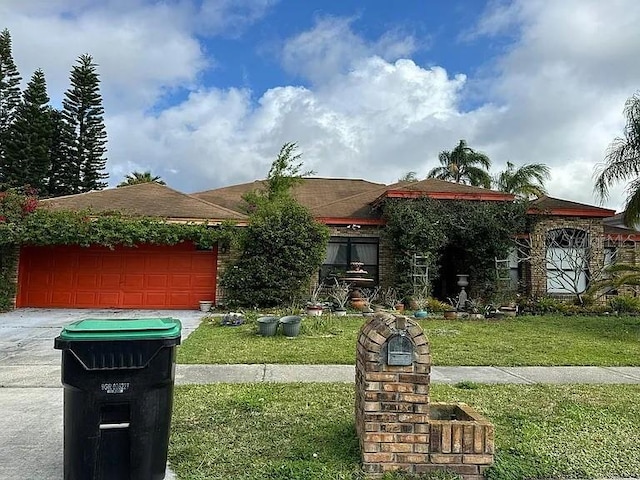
x,y
135,178
622,162
463,165
409,177
526,181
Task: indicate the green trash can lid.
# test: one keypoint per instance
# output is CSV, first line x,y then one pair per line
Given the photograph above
x,y
122,329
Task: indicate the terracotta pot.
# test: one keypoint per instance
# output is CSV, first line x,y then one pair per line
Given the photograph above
x,y
450,314
399,307
358,303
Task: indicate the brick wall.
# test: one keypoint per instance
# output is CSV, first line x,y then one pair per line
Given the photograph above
x,y
397,427
537,271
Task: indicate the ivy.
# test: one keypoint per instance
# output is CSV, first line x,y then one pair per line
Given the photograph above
x,y
479,231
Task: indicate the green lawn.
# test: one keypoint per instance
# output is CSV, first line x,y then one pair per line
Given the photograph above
x,y
550,340
306,431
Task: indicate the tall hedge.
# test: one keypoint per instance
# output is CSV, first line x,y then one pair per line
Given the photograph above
x,y
282,247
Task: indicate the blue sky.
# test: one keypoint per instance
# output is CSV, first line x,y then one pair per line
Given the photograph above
x,y
204,92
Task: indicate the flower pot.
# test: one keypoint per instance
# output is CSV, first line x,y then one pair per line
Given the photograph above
x,y
450,314
340,312
205,305
358,303
420,313
267,326
314,311
399,307
291,325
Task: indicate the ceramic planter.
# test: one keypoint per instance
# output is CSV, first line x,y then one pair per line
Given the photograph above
x,y
420,314
340,312
450,314
314,310
205,305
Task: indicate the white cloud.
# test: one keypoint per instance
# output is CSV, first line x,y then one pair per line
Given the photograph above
x,y
230,17
563,85
401,108
141,50
331,47
555,96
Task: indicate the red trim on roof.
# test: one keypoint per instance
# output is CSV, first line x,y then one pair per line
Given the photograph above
x,y
617,237
573,212
350,221
484,196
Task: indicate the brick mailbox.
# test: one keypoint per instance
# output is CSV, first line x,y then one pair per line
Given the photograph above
x,y
398,427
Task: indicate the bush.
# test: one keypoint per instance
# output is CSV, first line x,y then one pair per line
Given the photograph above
x,y
281,248
625,304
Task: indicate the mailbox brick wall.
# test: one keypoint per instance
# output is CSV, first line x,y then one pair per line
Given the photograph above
x,y
394,420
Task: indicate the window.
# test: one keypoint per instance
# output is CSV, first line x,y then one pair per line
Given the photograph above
x,y
567,260
341,251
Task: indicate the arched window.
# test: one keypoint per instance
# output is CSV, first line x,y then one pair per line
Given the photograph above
x,y
567,257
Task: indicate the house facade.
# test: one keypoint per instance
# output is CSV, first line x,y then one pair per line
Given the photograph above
x,y
564,247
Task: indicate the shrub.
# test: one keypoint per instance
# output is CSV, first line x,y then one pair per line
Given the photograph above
x,y
281,248
625,304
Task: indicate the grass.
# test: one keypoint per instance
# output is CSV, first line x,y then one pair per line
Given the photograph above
x,y
307,432
548,340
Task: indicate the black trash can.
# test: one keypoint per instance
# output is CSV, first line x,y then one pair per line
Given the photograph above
x,y
118,380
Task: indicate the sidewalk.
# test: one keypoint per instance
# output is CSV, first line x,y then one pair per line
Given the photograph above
x,y
48,376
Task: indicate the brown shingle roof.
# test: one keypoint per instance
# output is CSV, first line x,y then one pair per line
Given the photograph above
x,y
311,192
557,206
145,199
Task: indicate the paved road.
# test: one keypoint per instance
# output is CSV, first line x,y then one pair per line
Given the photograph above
x,y
31,393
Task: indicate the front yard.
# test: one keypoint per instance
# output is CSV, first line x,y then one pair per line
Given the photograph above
x,y
307,432
538,340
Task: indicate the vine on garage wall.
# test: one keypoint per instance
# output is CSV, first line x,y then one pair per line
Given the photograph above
x,y
480,231
23,222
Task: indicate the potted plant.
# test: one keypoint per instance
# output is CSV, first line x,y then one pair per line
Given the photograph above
x,y
421,300
340,295
314,305
389,298
368,294
205,305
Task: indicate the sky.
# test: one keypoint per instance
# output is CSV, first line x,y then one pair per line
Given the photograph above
x,y
203,93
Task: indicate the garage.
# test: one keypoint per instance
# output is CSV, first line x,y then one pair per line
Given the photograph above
x,y
146,276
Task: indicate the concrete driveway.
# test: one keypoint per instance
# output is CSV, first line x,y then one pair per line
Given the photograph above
x,y
30,388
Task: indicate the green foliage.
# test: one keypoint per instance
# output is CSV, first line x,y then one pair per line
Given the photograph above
x,y
8,262
135,178
29,138
463,165
526,181
479,231
281,248
83,115
622,162
625,304
284,174
9,85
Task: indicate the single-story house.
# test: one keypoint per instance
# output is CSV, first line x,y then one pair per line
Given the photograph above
x,y
179,276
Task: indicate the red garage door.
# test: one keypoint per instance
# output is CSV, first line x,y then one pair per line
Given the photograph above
x,y
147,276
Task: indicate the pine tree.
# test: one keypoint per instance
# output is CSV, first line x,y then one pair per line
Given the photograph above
x,y
9,92
60,177
27,145
83,115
